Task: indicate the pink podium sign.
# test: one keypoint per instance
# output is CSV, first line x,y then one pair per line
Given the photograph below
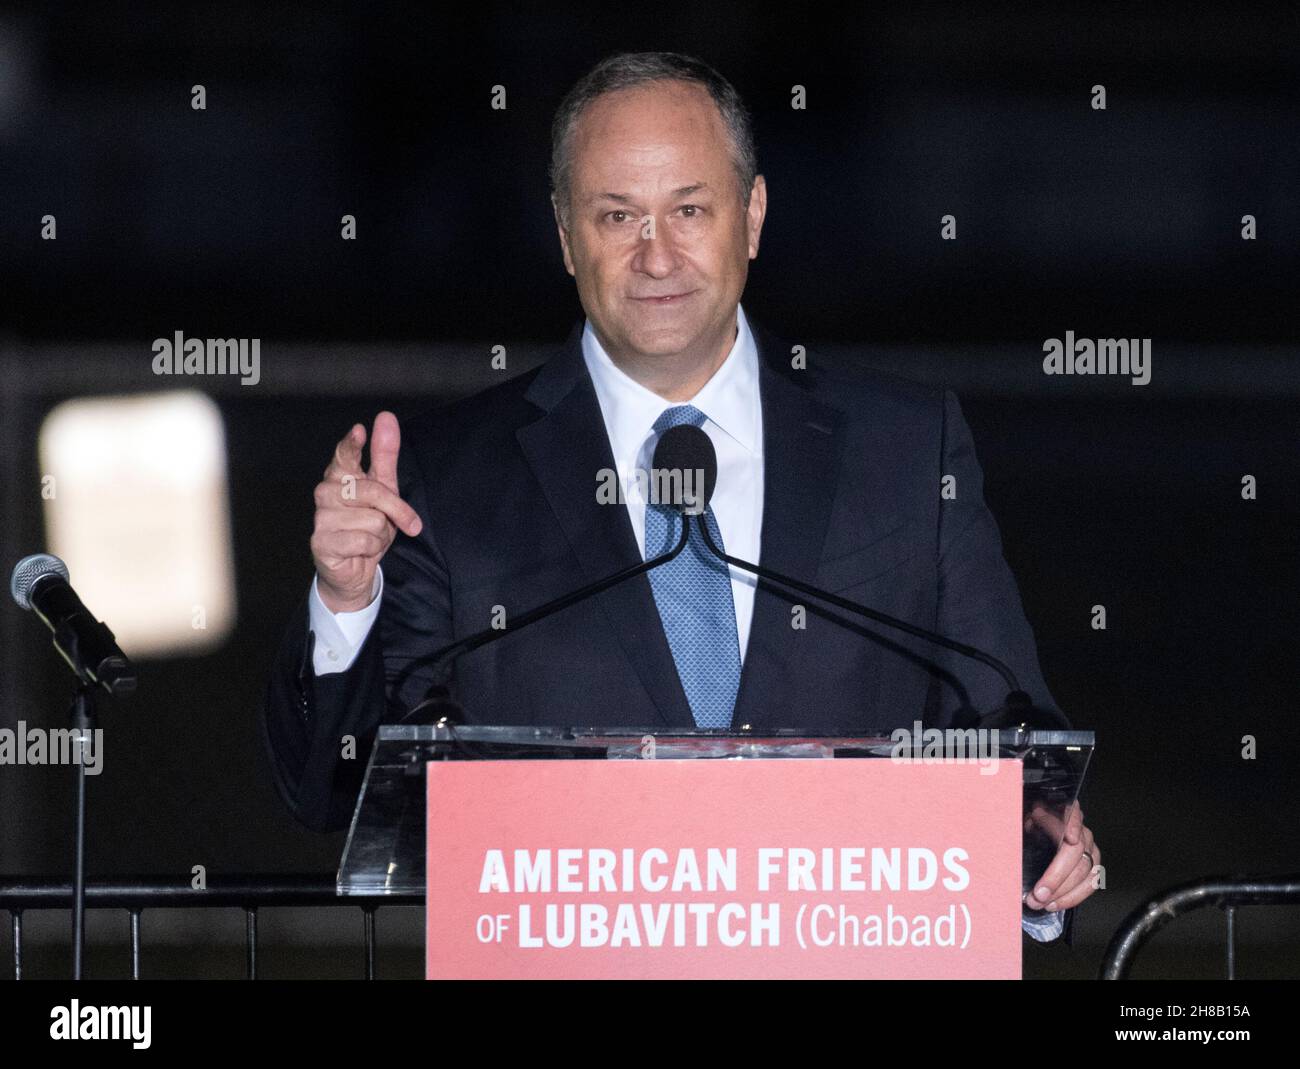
x,y
673,869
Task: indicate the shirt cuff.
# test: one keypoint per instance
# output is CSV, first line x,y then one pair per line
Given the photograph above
x,y
1043,927
340,635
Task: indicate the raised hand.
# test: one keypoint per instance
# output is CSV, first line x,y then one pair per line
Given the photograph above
x,y
358,514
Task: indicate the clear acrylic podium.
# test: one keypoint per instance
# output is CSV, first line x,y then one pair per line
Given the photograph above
x,y
385,851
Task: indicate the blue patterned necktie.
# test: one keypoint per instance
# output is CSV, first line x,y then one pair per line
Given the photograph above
x,y
693,593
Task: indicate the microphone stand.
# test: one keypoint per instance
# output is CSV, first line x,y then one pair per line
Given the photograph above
x,y
83,722
88,647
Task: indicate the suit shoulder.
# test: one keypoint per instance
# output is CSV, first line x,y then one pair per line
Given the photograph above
x,y
863,391
474,421
851,386
862,395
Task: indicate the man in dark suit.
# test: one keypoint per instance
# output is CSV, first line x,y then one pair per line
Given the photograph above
x,y
492,506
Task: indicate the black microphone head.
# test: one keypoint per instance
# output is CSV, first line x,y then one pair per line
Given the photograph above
x,y
684,472
31,569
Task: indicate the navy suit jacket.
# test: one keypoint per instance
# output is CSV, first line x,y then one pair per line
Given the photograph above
x,y
506,485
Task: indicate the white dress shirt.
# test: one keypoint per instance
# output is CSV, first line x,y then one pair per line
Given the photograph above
x,y
732,406
734,421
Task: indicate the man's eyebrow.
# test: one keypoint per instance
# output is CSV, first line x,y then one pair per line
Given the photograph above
x,y
623,198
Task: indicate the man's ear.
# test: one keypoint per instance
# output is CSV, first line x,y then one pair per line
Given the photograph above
x,y
756,213
564,236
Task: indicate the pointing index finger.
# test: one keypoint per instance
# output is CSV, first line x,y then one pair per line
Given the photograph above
x,y
347,454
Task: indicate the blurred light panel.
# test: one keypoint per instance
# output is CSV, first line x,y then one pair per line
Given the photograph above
x,y
136,505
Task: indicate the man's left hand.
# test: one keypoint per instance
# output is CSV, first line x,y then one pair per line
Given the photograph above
x,y
1068,880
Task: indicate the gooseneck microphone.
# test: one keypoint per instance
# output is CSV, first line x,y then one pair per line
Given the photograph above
x,y
694,450
677,481
40,583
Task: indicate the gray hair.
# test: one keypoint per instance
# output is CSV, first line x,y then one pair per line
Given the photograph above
x,y
630,69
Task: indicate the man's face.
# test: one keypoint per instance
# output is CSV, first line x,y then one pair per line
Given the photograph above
x,y
658,156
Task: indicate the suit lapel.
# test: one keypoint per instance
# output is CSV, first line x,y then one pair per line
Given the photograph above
x,y
800,461
568,445
566,448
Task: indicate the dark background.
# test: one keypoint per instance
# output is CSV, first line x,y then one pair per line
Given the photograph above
x,y
1116,223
